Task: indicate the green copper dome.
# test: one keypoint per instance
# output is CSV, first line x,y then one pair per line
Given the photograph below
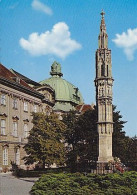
x,y
67,96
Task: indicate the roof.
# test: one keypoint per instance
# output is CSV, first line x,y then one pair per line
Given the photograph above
x,y
67,96
84,107
10,78
64,90
26,79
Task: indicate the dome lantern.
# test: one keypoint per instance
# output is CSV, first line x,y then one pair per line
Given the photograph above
x,y
56,69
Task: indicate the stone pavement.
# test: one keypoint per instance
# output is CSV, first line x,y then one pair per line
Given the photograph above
x,y
10,185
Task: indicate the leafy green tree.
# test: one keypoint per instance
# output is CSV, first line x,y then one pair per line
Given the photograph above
x,y
132,153
45,142
124,147
119,141
82,135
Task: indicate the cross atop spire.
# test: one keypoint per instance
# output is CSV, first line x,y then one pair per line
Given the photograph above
x,y
102,13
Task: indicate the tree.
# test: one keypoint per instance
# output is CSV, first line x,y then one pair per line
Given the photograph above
x,y
132,153
45,142
120,141
82,135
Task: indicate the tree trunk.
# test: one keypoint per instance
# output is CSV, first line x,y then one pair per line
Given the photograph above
x,y
43,166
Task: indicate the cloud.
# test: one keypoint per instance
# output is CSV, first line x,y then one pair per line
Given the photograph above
x,y
128,42
56,42
37,5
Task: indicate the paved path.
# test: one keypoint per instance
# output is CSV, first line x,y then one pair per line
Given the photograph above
x,y
10,185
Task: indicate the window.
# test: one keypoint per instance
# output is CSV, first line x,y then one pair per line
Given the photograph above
x,y
3,126
102,70
35,108
15,101
25,106
3,99
15,129
26,132
17,156
47,112
5,156
107,70
47,96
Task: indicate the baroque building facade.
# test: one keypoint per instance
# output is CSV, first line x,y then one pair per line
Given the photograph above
x,y
104,83
18,99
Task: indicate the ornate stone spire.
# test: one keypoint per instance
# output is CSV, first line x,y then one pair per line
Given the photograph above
x,y
103,37
104,83
56,69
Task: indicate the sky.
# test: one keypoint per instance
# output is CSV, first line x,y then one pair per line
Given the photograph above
x,y
35,33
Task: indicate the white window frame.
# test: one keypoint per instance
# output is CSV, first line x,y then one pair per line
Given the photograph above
x,y
15,128
26,132
3,126
17,156
15,103
35,108
5,156
3,99
26,106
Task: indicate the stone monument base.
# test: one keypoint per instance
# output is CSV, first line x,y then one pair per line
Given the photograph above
x,y
105,167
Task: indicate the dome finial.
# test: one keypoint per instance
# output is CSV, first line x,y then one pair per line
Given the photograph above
x,y
56,69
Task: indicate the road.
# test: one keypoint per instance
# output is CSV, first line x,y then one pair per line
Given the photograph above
x,y
10,185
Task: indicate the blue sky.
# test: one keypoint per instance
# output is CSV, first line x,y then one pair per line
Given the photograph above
x,y
34,33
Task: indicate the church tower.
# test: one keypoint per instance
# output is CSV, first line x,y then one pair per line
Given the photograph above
x,y
104,83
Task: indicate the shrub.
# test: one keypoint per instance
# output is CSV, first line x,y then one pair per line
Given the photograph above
x,y
79,184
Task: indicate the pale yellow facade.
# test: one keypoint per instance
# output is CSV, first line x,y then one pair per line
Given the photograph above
x,y
16,106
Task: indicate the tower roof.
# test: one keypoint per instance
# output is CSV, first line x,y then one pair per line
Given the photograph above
x,y
102,25
103,37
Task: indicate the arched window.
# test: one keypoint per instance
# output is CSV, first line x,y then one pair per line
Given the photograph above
x,y
107,70
102,70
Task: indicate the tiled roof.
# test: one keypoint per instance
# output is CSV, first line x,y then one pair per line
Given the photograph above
x,y
83,107
7,74
24,78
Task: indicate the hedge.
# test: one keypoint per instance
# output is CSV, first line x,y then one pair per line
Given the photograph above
x,y
91,184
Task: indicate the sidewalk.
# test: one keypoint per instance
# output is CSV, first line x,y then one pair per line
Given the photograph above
x,y
10,185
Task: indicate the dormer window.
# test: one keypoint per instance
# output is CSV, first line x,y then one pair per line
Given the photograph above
x,y
17,79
